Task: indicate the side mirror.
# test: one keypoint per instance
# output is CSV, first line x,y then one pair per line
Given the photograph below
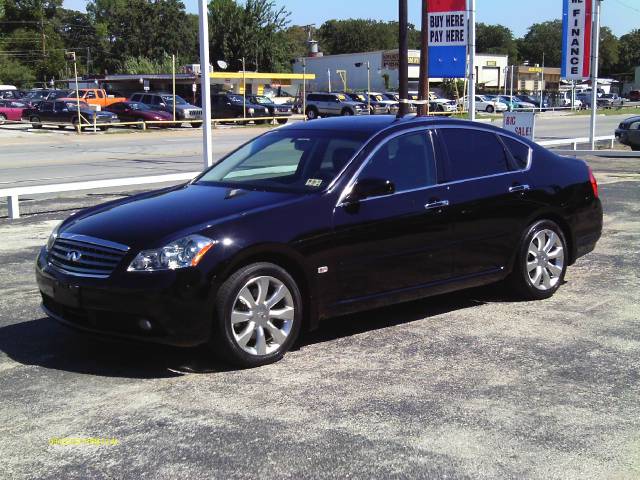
x,y
163,105
370,187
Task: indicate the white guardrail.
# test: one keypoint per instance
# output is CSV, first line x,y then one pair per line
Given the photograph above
x,y
13,194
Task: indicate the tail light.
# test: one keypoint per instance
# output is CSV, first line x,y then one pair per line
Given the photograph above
x,y
594,184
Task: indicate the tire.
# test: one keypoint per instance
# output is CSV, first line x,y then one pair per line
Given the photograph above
x,y
3,118
282,121
490,109
104,129
636,148
261,122
240,343
312,113
35,122
346,113
196,124
549,262
61,127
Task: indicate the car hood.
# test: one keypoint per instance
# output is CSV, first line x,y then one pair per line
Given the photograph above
x,y
151,219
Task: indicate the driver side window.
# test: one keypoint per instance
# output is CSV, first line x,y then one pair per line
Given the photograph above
x,y
406,160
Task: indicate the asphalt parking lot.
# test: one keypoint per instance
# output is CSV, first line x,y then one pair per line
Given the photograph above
x,y
468,385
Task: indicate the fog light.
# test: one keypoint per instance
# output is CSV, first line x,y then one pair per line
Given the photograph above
x,y
145,324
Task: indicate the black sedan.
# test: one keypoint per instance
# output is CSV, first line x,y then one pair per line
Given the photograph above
x,y
628,133
67,111
281,111
321,219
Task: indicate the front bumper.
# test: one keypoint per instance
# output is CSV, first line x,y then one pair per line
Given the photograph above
x,y
177,307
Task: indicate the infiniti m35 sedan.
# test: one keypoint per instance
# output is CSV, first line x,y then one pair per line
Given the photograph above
x,y
316,220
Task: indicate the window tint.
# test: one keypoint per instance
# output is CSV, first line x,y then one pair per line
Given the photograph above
x,y
146,99
100,95
406,160
46,107
634,126
136,98
519,152
473,153
90,95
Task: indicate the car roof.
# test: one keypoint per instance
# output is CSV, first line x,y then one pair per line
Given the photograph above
x,y
373,124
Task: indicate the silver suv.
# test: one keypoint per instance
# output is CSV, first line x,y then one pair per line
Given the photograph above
x,y
333,104
164,101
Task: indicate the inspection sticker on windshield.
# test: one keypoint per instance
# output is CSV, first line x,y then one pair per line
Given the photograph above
x,y
313,182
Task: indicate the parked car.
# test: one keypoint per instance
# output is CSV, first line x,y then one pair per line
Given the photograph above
x,y
9,92
394,96
483,104
164,101
514,103
282,110
586,100
11,110
375,107
565,100
391,105
610,100
535,100
233,105
35,96
96,96
136,112
443,105
65,111
333,104
634,95
320,219
628,133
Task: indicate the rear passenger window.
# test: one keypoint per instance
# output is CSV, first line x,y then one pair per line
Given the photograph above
x,y
136,97
406,160
473,153
519,152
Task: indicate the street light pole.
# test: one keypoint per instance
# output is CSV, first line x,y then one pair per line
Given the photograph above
x,y
423,86
244,89
369,86
205,85
403,57
472,60
595,46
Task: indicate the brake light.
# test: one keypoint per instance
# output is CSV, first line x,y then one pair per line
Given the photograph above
x,y
594,184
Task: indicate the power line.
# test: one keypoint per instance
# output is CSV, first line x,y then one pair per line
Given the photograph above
x,y
620,2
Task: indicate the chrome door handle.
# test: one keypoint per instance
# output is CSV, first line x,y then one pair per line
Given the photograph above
x,y
519,188
438,204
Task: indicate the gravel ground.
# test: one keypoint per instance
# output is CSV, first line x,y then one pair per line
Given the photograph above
x,y
468,385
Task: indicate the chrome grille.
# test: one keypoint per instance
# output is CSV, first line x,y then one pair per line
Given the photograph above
x,y
86,256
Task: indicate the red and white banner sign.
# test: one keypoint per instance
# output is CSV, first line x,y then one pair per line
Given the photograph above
x,y
576,39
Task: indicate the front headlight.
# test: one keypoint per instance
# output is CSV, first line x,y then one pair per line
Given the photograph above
x,y
250,111
52,237
183,253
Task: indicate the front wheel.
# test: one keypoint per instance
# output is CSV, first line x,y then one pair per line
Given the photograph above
x,y
196,124
35,122
347,113
282,121
258,315
3,118
490,109
541,261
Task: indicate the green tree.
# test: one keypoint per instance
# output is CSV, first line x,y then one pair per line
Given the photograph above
x,y
629,51
543,40
254,31
15,73
359,35
609,53
496,39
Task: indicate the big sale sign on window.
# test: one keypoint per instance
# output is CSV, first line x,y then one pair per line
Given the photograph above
x,y
447,38
576,39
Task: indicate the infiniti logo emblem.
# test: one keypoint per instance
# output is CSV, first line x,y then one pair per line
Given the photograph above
x,y
74,256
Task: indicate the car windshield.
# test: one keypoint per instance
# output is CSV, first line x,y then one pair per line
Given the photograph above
x,y
169,99
292,161
137,106
71,105
36,95
261,100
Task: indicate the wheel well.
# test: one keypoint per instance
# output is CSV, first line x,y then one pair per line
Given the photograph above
x,y
566,230
294,269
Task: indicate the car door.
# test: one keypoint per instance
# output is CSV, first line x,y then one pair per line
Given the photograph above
x,y
398,242
46,112
634,135
488,190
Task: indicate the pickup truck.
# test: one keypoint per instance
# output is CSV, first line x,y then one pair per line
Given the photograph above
x,y
96,96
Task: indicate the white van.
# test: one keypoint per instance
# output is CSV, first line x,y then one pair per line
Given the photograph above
x,y
5,89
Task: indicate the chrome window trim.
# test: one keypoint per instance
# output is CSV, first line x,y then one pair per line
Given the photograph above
x,y
94,241
353,179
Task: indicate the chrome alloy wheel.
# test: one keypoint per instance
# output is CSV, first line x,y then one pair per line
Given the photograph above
x,y
262,315
545,259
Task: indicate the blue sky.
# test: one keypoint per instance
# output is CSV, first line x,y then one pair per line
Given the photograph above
x,y
620,15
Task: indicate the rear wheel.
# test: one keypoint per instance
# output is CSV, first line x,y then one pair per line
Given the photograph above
x,y
35,122
104,129
282,121
541,261
346,112
259,315
196,124
490,109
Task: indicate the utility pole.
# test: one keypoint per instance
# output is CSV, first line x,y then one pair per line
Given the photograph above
x,y
205,85
88,60
472,60
244,88
173,83
595,47
542,84
423,86
403,57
